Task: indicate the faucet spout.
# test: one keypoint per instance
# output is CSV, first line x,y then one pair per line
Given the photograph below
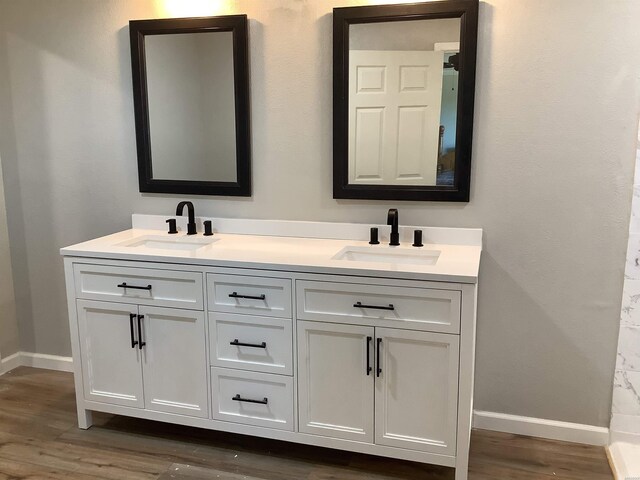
x,y
392,219
191,224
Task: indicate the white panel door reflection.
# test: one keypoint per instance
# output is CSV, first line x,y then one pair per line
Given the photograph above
x,y
394,116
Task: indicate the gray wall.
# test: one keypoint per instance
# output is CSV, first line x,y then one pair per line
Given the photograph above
x,y
8,321
554,138
410,35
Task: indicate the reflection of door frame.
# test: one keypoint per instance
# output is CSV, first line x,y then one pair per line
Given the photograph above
x,y
447,47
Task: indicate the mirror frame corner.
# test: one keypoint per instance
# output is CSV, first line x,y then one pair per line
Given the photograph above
x,y
343,18
238,25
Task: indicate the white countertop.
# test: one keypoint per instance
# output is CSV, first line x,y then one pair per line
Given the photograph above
x,y
456,263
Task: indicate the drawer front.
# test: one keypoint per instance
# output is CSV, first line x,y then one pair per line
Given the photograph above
x,y
261,344
259,399
161,288
414,308
270,297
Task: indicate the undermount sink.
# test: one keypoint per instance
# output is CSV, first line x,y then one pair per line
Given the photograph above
x,y
160,242
391,255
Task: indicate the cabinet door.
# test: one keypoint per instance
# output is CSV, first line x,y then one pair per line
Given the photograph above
x,y
335,390
174,361
111,362
417,390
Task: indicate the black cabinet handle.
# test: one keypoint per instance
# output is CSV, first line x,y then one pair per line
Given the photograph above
x,y
250,297
254,345
238,398
369,356
132,317
378,368
124,285
377,307
140,343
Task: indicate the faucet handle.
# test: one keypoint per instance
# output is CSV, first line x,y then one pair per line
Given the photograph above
x,y
373,237
417,238
172,225
207,228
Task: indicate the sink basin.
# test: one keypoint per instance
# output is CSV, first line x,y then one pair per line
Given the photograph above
x,y
403,256
168,242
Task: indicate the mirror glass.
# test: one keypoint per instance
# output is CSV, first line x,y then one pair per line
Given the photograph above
x,y
403,102
403,96
191,105
191,101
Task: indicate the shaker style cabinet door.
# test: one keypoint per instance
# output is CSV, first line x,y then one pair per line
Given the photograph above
x,y
335,388
110,355
174,361
416,390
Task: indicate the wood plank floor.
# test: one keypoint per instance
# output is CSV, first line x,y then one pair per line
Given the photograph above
x,y
39,440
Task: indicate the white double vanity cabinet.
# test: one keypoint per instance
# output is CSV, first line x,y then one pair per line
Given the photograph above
x,y
270,329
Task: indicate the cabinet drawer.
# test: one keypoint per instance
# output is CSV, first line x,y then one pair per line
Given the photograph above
x,y
262,344
162,288
265,296
414,308
259,399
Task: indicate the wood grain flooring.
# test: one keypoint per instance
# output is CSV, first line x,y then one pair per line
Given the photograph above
x,y
39,440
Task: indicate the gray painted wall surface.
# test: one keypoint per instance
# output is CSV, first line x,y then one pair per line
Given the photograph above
x,y
9,343
554,138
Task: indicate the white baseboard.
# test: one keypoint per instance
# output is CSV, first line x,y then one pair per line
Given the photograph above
x,y
9,363
624,459
539,427
36,360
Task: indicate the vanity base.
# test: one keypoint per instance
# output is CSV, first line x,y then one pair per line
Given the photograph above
x,y
85,414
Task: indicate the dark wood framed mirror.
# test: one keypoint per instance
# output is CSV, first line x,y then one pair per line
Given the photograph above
x,y
403,94
191,100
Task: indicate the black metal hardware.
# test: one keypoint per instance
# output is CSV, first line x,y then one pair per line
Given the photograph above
x,y
254,345
238,398
417,238
172,225
373,237
132,317
376,307
207,228
392,219
141,343
378,368
191,225
369,355
250,297
124,285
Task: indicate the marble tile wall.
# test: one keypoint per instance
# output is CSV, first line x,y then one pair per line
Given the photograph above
x,y
626,384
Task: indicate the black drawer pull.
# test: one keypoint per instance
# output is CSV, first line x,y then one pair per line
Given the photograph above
x,y
369,355
379,367
124,285
238,398
249,297
254,345
377,307
132,317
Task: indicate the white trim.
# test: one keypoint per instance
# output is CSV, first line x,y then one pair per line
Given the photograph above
x,y
624,459
9,363
36,360
50,362
542,428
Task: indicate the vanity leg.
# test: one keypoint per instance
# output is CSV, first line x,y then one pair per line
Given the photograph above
x,y
85,418
462,472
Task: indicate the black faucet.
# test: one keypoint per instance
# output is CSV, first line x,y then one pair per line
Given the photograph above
x,y
392,219
191,226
